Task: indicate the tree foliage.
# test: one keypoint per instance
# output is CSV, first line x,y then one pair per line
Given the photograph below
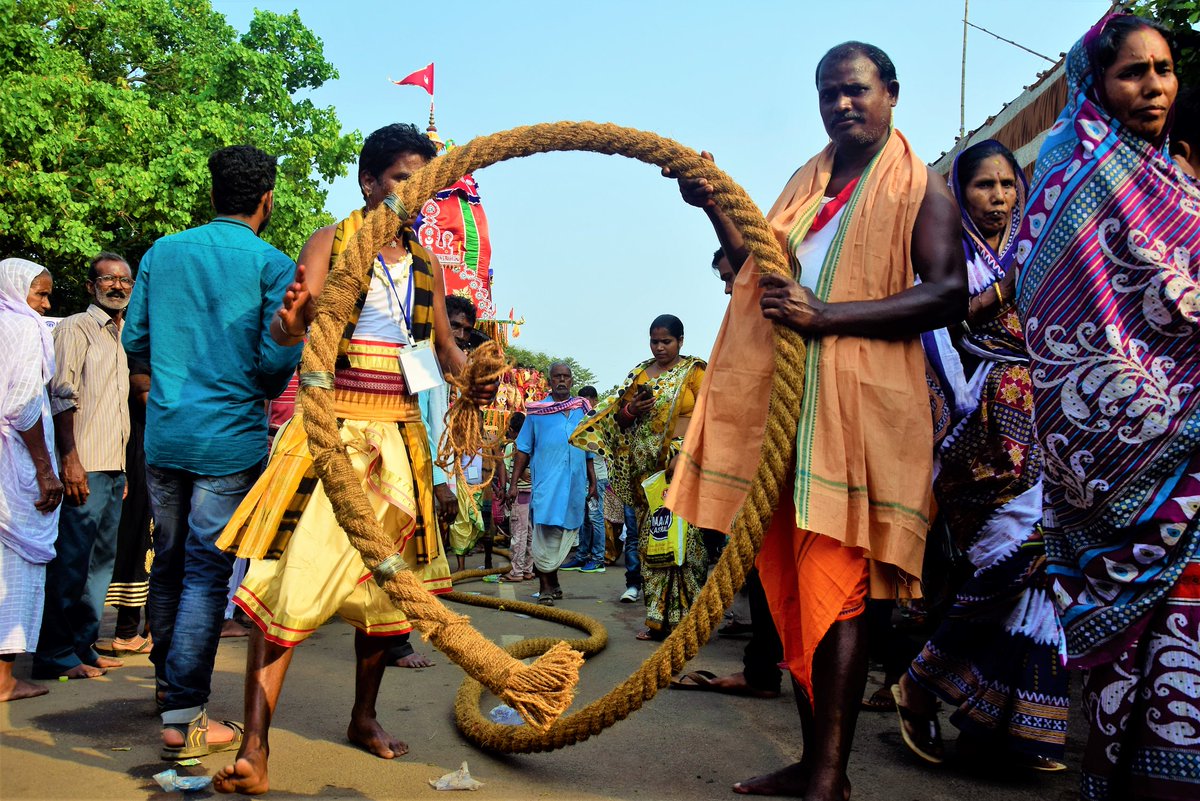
x,y
541,362
110,109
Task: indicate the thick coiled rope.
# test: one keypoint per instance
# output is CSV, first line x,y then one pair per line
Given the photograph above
x,y
346,282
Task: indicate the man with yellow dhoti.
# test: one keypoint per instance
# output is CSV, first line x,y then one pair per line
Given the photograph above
x,y
306,570
860,222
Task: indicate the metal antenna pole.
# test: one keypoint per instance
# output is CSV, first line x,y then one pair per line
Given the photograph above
x,y
962,87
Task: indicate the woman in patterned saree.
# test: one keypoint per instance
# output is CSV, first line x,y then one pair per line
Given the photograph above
x,y
995,657
1110,305
639,431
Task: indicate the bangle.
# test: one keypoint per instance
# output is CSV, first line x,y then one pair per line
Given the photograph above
x,y
999,297
287,333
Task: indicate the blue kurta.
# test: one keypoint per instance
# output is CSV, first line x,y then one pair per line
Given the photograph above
x,y
557,468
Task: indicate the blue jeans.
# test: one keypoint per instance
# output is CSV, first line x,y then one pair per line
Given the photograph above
x,y
633,567
189,580
591,533
77,578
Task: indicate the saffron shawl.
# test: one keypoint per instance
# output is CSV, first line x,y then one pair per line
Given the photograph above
x,y
865,407
1110,303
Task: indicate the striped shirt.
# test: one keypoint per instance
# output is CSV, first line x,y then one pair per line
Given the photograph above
x,y
91,376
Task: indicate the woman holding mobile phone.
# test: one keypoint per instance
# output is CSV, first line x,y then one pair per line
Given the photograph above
x,y
639,431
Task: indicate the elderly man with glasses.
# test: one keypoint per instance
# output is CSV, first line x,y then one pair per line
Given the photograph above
x,y
89,399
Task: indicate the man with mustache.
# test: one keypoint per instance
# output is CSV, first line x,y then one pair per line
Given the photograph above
x,y
860,223
559,473
91,422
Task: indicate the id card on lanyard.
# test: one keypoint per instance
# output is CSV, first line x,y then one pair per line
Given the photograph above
x,y
418,361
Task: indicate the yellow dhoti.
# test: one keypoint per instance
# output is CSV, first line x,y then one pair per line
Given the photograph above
x,y
318,572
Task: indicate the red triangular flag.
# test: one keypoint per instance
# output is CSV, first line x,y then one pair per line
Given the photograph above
x,y
422,78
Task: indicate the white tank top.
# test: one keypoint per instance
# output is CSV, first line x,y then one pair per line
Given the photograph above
x,y
382,315
811,252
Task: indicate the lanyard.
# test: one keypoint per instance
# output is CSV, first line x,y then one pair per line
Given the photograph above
x,y
405,307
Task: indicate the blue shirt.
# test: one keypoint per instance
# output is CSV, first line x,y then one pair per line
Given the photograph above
x,y
557,468
200,315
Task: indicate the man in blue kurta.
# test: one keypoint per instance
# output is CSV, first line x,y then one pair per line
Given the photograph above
x,y
201,316
562,476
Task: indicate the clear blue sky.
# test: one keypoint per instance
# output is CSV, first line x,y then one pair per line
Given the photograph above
x,y
589,249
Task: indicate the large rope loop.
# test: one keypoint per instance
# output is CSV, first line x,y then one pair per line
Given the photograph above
x,y
347,280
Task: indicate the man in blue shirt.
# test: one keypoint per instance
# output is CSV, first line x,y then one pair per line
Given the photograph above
x,y
558,471
201,316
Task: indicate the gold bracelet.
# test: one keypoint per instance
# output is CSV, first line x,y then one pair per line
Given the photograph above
x,y
999,297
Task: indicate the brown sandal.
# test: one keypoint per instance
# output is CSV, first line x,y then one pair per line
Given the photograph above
x,y
922,735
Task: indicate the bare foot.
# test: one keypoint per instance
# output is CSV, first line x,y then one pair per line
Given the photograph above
x,y
916,698
108,662
790,781
231,628
15,689
248,775
85,672
414,660
370,736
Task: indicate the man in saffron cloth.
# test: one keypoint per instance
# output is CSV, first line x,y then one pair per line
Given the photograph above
x,y
305,568
860,222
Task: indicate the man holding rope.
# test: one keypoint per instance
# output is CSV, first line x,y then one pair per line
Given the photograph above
x,y
310,569
860,222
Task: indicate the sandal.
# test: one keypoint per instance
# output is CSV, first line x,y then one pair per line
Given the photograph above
x,y
195,738
879,701
556,594
118,647
511,578
925,736
545,600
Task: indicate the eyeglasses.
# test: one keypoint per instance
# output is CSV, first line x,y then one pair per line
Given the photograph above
x,y
109,280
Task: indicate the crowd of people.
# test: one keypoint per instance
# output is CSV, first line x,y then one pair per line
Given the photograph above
x,y
999,373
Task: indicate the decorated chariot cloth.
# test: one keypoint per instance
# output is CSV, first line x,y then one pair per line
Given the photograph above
x,y
672,574
864,412
1110,305
995,658
304,567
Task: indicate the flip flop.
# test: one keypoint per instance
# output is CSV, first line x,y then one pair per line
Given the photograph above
x,y
925,739
118,647
879,701
510,578
704,681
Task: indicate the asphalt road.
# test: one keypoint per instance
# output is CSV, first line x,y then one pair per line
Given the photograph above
x,y
98,739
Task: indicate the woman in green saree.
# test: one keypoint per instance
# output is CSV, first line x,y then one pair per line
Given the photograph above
x,y
639,431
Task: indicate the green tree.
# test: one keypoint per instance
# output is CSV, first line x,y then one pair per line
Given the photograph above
x,y
108,111
541,362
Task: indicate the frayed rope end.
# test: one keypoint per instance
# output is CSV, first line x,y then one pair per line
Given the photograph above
x,y
543,691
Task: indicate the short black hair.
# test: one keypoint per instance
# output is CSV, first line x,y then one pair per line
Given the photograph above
x,y
848,50
516,420
1103,51
104,255
670,322
457,304
970,159
241,175
1186,124
717,256
384,146
588,392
